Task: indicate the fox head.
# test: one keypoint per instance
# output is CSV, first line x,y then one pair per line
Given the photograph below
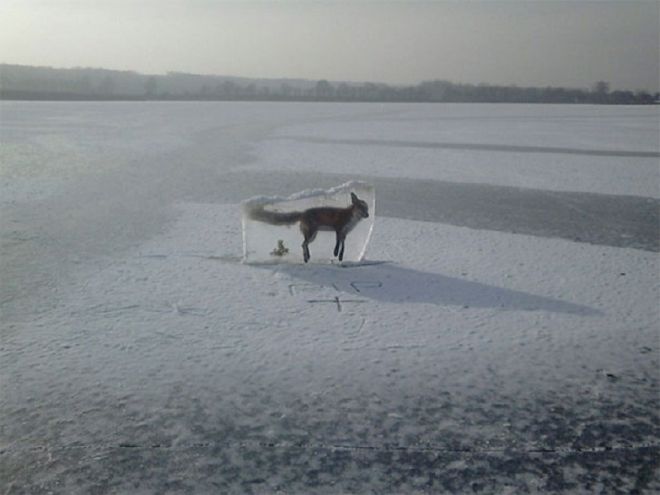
x,y
359,206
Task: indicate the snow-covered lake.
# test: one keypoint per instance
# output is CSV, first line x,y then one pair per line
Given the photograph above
x,y
501,336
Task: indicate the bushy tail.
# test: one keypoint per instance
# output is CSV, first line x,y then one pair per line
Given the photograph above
x,y
273,217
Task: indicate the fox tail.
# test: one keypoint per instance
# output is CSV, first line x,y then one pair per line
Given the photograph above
x,y
260,214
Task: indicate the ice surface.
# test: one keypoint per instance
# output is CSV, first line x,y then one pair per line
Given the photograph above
x,y
597,149
265,243
138,355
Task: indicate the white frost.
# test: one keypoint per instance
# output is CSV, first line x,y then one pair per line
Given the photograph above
x,y
474,343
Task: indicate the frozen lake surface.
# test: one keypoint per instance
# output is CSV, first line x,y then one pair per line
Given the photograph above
x,y
502,335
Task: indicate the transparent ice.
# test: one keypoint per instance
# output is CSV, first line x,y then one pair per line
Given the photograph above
x,y
265,243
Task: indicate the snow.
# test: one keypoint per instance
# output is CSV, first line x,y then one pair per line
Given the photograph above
x,y
607,150
139,354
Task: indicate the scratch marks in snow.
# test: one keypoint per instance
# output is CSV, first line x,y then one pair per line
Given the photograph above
x,y
337,301
357,285
164,308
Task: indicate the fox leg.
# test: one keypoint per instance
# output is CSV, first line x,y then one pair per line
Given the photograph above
x,y
309,236
305,250
339,246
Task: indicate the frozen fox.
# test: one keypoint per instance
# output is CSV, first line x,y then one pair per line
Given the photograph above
x,y
341,220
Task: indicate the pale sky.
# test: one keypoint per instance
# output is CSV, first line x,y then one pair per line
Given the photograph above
x,y
525,42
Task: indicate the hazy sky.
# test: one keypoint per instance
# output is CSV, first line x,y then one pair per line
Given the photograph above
x,y
525,42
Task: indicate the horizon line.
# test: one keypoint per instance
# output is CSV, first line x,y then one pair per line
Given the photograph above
x,y
315,80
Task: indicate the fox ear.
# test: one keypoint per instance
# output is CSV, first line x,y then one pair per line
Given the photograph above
x,y
354,198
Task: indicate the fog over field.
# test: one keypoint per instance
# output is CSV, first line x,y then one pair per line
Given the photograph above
x,y
538,43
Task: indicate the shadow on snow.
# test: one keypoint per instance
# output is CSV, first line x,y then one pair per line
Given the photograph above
x,y
388,282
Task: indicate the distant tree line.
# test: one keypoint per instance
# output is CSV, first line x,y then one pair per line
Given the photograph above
x,y
45,83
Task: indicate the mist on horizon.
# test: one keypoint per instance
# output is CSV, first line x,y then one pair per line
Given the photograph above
x,y
526,43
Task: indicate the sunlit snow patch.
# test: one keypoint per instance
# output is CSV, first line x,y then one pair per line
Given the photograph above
x,y
265,243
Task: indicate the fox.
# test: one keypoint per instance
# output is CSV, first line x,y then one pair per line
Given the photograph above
x,y
341,220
